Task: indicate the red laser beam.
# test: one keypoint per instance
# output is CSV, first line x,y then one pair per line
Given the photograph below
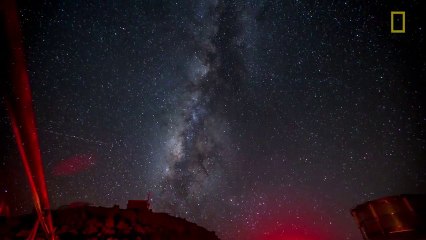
x,y
22,102
36,198
21,111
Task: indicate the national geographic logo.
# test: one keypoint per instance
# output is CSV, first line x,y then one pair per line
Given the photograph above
x,y
397,21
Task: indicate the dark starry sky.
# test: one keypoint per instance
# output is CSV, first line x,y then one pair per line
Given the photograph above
x,y
255,119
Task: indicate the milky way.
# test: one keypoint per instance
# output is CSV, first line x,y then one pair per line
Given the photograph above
x,y
196,166
254,119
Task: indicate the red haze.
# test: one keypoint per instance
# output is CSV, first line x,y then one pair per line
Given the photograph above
x,y
73,165
290,229
297,216
4,209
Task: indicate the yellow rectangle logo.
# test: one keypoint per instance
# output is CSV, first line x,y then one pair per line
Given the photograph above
x,y
393,30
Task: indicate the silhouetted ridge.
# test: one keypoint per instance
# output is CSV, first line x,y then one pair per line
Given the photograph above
x,y
81,221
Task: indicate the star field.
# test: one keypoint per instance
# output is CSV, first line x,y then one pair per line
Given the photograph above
x,y
254,119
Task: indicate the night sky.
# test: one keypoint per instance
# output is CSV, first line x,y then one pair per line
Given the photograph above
x,y
254,119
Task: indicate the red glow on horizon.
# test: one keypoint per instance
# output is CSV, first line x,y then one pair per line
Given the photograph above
x,y
285,226
296,217
297,235
290,232
74,165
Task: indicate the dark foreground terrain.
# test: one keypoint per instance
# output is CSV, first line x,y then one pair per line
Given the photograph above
x,y
89,222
